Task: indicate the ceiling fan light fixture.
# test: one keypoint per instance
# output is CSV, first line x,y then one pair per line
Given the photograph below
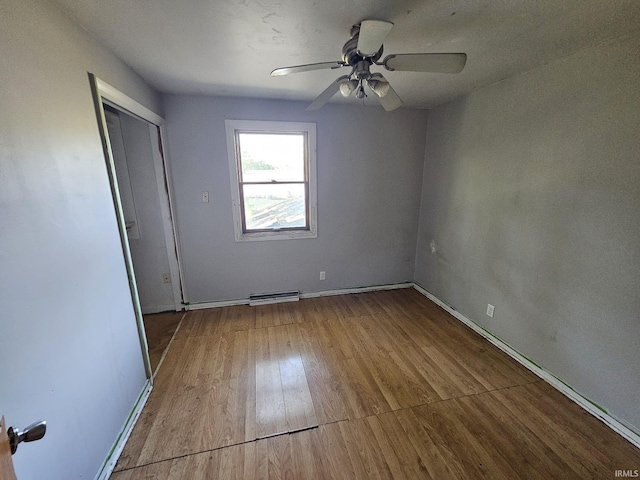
x,y
379,87
347,88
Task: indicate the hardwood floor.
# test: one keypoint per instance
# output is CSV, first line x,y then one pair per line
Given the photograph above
x,y
160,328
371,385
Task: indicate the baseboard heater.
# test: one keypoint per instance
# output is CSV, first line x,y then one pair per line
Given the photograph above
x,y
280,297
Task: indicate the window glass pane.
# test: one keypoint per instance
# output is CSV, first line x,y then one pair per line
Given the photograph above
x,y
274,206
271,157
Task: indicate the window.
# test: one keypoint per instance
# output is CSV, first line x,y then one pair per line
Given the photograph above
x,y
273,184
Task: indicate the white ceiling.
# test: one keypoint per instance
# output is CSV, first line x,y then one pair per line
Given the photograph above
x,y
227,48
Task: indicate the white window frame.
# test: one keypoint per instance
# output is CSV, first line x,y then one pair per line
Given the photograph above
x,y
271,127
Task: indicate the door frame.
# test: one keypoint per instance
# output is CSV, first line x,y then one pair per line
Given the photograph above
x,y
103,93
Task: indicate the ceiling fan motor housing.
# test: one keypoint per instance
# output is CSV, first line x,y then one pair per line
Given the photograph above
x,y
361,70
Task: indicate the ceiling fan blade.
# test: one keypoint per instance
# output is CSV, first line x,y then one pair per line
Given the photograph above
x,y
426,62
372,34
329,92
306,68
387,97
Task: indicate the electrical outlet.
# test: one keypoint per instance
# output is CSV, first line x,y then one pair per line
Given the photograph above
x,y
166,277
490,309
322,276
205,197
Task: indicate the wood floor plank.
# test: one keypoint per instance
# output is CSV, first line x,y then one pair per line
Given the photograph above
x,y
215,362
345,306
442,428
281,464
436,377
405,385
231,463
157,471
271,417
317,309
221,420
368,448
574,453
451,355
320,364
398,452
339,464
131,452
438,459
268,316
248,377
308,464
488,365
200,322
404,301
578,424
309,311
376,367
159,328
168,439
335,332
481,440
196,466
513,440
362,390
357,452
256,460
236,318
456,373
174,389
292,312
575,419
368,304
297,397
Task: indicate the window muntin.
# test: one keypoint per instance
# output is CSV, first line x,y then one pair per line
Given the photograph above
x,y
273,179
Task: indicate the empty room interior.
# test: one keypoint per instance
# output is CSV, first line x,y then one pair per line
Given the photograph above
x,y
300,239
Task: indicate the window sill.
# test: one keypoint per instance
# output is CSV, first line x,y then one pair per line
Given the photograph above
x,y
276,235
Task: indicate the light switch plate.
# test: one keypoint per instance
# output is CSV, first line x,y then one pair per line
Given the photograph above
x,y
490,309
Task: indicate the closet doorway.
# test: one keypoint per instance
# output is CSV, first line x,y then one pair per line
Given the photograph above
x,y
132,139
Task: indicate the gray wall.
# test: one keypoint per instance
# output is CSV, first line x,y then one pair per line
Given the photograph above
x,y
532,194
149,251
69,349
369,166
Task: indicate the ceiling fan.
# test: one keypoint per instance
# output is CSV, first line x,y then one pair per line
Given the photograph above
x,y
363,50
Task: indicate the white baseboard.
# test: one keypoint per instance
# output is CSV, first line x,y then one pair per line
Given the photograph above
x,y
345,291
323,293
111,460
619,426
